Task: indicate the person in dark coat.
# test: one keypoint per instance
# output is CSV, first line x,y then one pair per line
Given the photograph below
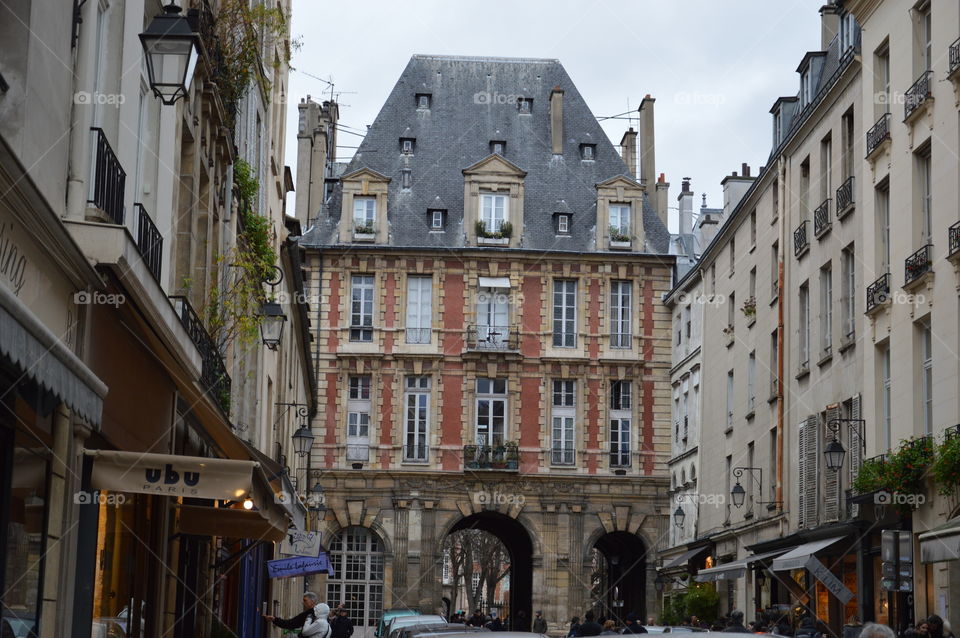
x,y
590,626
496,624
574,627
736,624
312,621
539,624
340,626
633,625
477,619
807,629
853,627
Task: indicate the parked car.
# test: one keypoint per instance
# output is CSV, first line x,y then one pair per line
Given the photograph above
x,y
389,615
399,622
436,631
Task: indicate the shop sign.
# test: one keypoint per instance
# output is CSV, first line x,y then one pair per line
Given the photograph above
x,y
170,475
297,543
299,566
833,584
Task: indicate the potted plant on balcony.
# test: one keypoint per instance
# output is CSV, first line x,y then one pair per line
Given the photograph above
x,y
363,231
917,267
749,307
946,466
512,455
501,236
618,239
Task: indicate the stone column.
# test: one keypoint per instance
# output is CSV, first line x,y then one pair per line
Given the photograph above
x,y
58,574
400,554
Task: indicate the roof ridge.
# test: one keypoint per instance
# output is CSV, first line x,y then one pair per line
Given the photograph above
x,y
483,58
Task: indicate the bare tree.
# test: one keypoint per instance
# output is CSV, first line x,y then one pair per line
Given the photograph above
x,y
475,552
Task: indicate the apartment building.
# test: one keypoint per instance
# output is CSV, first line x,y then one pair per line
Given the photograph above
x,y
140,466
492,350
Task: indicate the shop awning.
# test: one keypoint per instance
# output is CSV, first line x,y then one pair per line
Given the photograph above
x,y
734,569
494,282
43,357
288,497
798,556
684,558
941,543
231,523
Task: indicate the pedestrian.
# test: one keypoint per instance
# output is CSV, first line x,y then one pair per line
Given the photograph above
x,y
784,628
807,629
312,621
873,630
590,626
539,624
574,627
495,623
736,623
341,626
609,628
522,623
476,620
853,627
936,627
633,625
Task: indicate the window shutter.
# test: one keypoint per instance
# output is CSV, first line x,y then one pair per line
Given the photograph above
x,y
831,478
855,449
801,476
808,474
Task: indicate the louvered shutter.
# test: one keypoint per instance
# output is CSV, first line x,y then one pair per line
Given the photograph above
x,y
831,478
801,476
807,476
855,448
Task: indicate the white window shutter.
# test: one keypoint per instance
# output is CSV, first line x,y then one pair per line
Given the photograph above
x,y
855,448
809,472
831,478
801,477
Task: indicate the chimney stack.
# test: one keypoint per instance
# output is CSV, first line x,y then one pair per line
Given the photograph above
x,y
663,189
556,120
316,141
628,151
648,170
685,199
734,188
829,25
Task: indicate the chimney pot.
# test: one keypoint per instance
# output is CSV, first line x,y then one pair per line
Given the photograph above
x,y
746,169
734,174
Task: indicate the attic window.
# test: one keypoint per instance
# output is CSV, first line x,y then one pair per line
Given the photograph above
x,y
423,100
563,223
525,105
407,145
497,147
588,151
438,219
405,179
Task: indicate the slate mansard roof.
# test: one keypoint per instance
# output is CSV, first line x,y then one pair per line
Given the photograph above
x,y
473,102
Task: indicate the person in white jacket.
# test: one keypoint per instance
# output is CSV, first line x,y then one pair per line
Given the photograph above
x,y
312,621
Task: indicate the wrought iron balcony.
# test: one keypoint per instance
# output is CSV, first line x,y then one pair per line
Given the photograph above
x,y
800,240
917,94
822,222
213,374
878,133
419,335
491,457
918,264
563,454
951,432
108,179
845,197
954,56
416,453
149,241
495,338
954,232
878,292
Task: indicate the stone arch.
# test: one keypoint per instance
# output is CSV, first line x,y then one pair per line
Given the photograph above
x,y
333,527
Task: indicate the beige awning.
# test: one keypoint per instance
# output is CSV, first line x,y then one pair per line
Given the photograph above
x,y
797,557
494,282
229,523
734,569
941,543
171,475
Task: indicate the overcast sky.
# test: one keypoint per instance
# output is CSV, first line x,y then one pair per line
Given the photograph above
x,y
715,67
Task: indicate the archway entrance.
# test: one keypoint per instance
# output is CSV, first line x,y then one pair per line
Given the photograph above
x,y
516,541
618,578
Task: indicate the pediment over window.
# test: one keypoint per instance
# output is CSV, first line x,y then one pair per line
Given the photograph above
x,y
620,181
495,165
367,174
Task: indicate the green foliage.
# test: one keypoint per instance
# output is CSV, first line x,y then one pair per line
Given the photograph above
x,y
616,235
673,610
702,601
505,232
870,477
946,467
901,472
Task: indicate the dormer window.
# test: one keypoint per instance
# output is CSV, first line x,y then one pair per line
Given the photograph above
x,y
405,179
620,222
423,100
407,144
497,147
493,211
437,219
525,105
588,152
563,223
806,87
364,215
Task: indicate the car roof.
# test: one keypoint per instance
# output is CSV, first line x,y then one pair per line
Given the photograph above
x,y
446,628
500,634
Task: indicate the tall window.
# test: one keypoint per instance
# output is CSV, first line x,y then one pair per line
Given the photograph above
x,y
620,219
364,213
885,394
805,188
881,79
358,418
924,188
751,381
826,167
564,418
493,211
753,228
773,464
804,325
621,295
752,289
361,308
419,309
564,313
417,419
848,31
925,41
491,420
849,292
733,254
621,404
730,399
926,366
774,270
773,363
356,555
826,310
849,138
883,226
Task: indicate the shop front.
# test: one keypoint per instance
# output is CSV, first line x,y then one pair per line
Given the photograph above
x,y
940,557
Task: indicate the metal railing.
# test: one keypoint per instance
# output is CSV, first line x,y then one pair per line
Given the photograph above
x,y
951,432
954,56
358,452
620,456
917,264
419,335
563,454
108,178
917,94
621,339
149,241
845,196
416,453
821,218
954,238
498,338
878,133
800,240
878,292
213,373
491,457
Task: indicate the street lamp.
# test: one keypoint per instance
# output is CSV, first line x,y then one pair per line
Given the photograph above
x,y
679,516
171,49
834,454
317,497
272,320
738,495
302,441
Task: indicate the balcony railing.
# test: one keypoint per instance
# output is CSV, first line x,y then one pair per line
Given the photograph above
x,y
496,338
918,264
951,432
416,453
491,457
108,178
149,241
954,56
800,240
213,374
822,221
954,232
917,94
620,457
419,335
845,196
878,292
878,133
358,452
563,454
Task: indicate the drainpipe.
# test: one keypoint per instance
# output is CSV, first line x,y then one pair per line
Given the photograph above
x,y
781,297
78,171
